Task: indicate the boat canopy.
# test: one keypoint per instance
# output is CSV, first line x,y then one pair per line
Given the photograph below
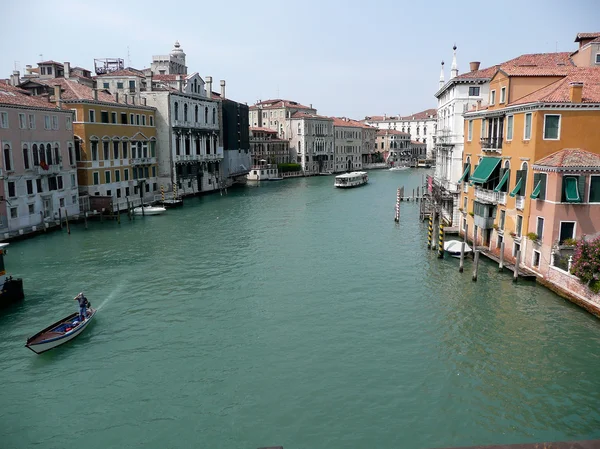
x,y
502,181
484,170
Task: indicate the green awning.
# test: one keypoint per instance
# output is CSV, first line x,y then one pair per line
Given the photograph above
x,y
571,190
502,181
514,191
536,191
465,173
484,170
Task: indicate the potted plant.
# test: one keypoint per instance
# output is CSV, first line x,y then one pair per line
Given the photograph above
x,y
569,242
532,236
471,214
513,234
496,227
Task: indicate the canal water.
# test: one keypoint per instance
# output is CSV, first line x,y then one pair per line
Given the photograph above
x,y
288,314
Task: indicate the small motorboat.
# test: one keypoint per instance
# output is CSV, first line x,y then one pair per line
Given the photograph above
x,y
452,247
149,210
399,168
60,332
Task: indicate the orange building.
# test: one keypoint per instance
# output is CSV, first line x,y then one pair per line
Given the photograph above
x,y
533,112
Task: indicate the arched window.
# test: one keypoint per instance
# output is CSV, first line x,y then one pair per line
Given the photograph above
x,y
7,161
176,111
214,116
36,157
506,164
185,110
524,166
49,154
26,157
56,154
206,115
196,113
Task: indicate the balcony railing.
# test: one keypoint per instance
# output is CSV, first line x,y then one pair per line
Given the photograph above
x,y
520,202
52,170
491,143
490,196
142,160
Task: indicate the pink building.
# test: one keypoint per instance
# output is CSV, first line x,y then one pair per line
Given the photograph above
x,y
566,208
38,170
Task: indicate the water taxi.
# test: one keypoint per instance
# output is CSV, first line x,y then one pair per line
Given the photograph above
x,y
353,179
149,210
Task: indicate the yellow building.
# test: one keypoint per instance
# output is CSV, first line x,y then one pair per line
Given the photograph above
x,y
115,142
533,111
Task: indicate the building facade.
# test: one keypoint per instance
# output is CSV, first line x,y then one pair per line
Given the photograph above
x,y
348,141
532,113
39,170
236,140
394,145
421,126
311,139
265,145
274,114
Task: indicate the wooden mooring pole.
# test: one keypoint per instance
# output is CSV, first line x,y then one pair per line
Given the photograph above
x,y
128,210
441,241
430,235
517,262
60,217
461,267
397,214
476,265
85,219
501,264
67,219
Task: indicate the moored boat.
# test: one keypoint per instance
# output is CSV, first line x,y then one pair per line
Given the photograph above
x,y
399,168
352,179
60,332
148,210
452,247
11,288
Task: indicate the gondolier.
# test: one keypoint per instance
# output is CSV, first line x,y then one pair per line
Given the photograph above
x,y
83,305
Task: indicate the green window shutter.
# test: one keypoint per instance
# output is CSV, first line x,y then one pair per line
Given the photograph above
x,y
503,184
517,188
571,192
581,187
465,174
544,179
524,183
595,189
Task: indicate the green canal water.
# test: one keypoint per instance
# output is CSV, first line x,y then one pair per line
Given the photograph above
x,y
288,314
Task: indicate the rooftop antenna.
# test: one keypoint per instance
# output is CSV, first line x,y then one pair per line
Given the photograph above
x,y
16,62
41,57
128,57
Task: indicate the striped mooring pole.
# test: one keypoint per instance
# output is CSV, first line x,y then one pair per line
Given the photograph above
x,y
430,236
397,216
162,193
175,190
441,242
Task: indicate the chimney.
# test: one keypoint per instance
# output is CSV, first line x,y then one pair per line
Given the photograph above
x,y
95,93
474,65
149,84
575,92
57,96
15,78
310,105
209,86
116,97
179,83
223,89
478,105
67,67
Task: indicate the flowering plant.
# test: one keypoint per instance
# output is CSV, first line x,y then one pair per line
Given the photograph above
x,y
586,263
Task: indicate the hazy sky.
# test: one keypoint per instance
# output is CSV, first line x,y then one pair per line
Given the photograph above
x,y
351,58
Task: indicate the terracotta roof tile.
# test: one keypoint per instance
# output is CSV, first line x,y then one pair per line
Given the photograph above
x,y
536,70
583,36
261,129
486,73
72,90
570,158
346,122
50,61
304,114
278,103
18,97
423,115
559,91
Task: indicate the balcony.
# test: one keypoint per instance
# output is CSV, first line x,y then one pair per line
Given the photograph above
x,y
520,203
142,160
52,170
492,144
490,196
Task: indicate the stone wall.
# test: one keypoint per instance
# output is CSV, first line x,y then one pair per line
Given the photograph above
x,y
569,287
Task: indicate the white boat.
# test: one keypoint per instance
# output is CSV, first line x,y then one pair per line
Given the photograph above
x,y
452,247
60,332
352,179
264,172
149,210
399,168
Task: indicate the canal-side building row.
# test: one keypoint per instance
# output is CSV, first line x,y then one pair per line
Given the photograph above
x,y
311,142
39,172
265,145
531,179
